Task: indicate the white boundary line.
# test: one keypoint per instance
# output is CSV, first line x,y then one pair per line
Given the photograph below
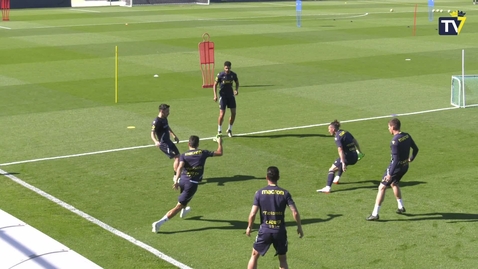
x,y
320,16
4,27
133,240
208,138
85,10
103,225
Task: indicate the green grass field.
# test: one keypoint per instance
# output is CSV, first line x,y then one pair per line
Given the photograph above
x,y
346,62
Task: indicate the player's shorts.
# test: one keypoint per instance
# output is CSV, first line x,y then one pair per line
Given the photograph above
x,y
169,149
398,173
227,101
188,189
350,159
265,240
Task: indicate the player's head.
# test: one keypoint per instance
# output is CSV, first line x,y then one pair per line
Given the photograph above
x,y
394,125
334,127
194,141
227,66
272,174
164,110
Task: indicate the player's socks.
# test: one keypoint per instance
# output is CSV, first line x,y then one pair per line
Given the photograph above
x,y
376,210
400,203
219,129
330,178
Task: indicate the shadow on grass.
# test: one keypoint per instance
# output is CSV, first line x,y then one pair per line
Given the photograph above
x,y
242,225
9,173
451,217
284,135
221,180
374,185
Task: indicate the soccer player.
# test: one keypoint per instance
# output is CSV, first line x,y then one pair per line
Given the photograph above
x,y
349,154
160,134
226,96
189,174
400,147
271,201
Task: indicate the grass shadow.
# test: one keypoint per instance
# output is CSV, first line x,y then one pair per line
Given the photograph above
x,y
242,225
221,180
451,217
374,185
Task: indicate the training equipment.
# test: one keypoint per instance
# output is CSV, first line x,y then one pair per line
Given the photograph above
x,y
206,61
391,10
5,6
130,3
298,11
431,5
116,74
464,88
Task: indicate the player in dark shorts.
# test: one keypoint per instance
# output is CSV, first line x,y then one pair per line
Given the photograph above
x,y
227,95
349,152
400,147
190,173
160,134
271,201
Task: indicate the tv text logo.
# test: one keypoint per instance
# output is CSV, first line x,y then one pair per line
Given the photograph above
x,y
451,25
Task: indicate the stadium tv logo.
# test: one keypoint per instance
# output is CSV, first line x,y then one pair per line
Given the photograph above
x,y
451,25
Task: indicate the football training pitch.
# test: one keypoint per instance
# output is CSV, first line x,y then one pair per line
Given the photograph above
x,y
96,186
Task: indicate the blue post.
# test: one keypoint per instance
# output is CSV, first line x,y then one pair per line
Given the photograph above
x,y
431,5
298,10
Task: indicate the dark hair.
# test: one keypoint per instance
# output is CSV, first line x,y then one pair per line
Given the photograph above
x,y
395,124
227,63
194,141
273,173
163,106
335,124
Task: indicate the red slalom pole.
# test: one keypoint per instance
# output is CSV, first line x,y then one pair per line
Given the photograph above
x,y
415,20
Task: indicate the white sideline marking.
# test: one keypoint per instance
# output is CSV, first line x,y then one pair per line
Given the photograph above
x,y
209,138
345,16
103,225
85,10
4,27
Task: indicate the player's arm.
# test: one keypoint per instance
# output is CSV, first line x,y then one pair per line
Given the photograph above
x,y
252,217
395,158
174,135
236,81
219,150
214,87
179,170
296,216
357,146
342,157
414,152
153,137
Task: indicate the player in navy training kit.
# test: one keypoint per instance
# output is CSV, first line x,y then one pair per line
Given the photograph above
x,y
400,148
189,174
160,134
226,96
272,201
349,154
